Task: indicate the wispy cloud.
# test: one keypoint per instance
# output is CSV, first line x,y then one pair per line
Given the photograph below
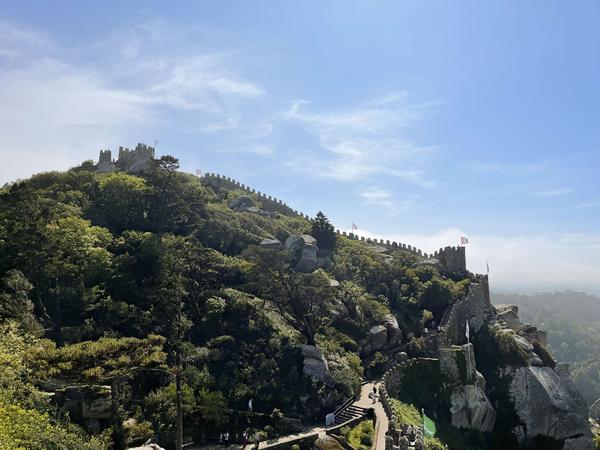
x,y
510,169
364,141
553,192
15,41
56,111
383,198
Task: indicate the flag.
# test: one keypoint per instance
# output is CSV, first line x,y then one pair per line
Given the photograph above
x,y
428,426
467,331
487,267
463,240
354,226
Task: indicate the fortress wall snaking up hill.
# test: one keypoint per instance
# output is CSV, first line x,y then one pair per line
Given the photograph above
x,y
453,258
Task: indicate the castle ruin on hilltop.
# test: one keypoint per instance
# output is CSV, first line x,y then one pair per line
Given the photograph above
x,y
136,160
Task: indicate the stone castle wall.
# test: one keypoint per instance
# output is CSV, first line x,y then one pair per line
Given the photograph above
x,y
452,258
391,385
474,308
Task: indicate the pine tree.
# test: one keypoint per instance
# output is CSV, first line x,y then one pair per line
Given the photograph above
x,y
323,232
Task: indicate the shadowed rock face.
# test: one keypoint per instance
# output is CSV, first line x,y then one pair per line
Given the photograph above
x,y
315,364
548,403
472,409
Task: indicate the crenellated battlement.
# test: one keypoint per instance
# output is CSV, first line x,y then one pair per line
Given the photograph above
x,y
135,160
451,258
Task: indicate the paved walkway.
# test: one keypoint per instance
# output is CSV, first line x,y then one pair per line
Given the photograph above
x,y
364,401
381,427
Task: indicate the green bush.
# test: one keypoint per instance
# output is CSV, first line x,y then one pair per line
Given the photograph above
x,y
434,444
406,413
360,436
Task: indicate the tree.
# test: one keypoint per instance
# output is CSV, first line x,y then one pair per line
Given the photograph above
x,y
301,299
106,360
75,252
323,232
15,303
121,202
176,200
25,421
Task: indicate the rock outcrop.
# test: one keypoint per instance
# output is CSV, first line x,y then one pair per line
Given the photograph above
x,y
147,447
382,337
315,365
274,244
304,250
548,404
241,202
327,442
85,402
470,408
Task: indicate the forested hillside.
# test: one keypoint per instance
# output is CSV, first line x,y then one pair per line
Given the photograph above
x,y
572,321
113,286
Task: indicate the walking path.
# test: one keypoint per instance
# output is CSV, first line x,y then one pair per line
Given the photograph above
x,y
382,423
364,401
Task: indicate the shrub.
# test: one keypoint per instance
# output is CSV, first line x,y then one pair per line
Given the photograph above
x,y
360,436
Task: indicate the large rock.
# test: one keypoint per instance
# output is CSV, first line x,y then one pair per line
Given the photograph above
x,y
295,242
274,244
509,314
548,404
308,259
305,247
85,402
394,333
470,408
327,442
147,447
241,202
315,364
377,337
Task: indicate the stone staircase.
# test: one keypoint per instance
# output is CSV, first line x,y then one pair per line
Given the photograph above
x,y
349,412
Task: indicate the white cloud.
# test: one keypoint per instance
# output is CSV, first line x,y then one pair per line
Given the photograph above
x,y
55,113
363,142
383,198
16,41
521,263
554,192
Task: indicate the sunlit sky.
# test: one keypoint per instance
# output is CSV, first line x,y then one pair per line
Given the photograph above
x,y
418,121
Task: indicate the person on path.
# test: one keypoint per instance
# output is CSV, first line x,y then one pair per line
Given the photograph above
x,y
220,439
227,439
374,395
256,441
244,439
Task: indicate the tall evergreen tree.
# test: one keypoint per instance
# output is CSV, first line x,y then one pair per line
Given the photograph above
x,y
323,232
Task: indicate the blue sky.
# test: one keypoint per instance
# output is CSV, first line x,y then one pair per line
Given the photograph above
x,y
419,121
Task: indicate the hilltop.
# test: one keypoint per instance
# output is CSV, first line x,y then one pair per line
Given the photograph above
x,y
123,279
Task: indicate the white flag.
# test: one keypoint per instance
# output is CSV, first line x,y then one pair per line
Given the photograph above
x,y
467,330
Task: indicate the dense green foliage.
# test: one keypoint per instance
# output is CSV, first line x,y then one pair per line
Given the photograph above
x,y
126,280
360,436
